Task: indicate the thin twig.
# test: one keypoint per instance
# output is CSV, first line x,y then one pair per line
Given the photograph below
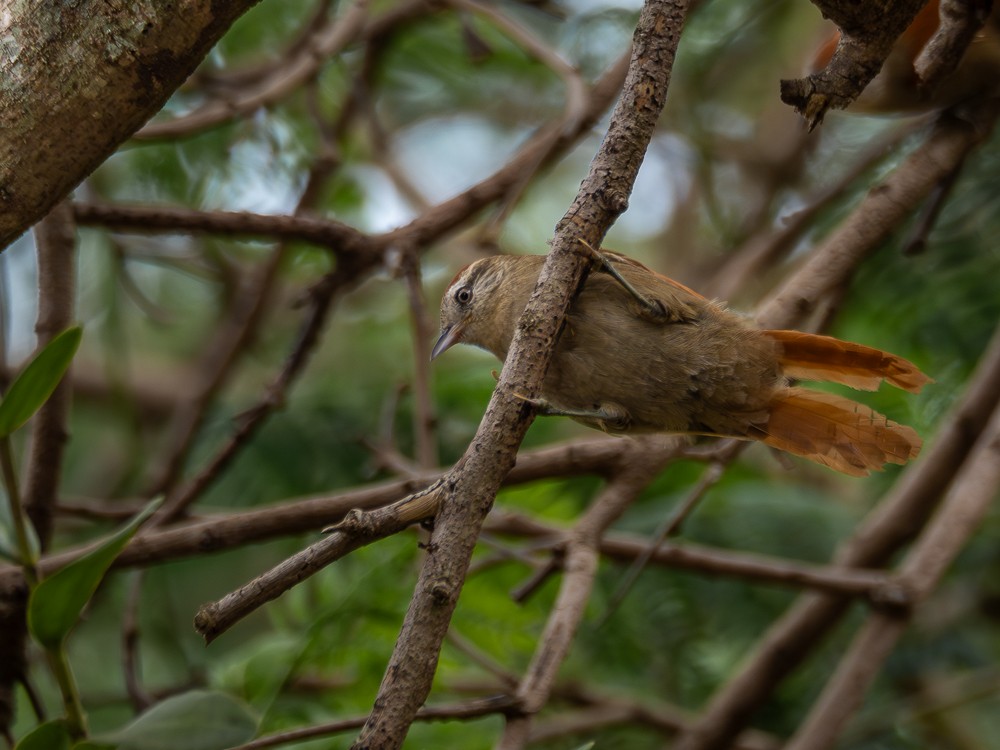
x,y
56,250
498,704
138,696
424,419
670,526
580,569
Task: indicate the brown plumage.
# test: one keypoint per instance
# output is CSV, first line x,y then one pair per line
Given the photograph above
x,y
698,369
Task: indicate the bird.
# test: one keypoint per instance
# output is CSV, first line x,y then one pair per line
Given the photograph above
x,y
898,90
641,353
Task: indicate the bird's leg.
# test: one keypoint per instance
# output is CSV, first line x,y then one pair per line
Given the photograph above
x,y
650,307
606,416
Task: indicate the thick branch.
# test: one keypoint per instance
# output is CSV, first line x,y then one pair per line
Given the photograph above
x,y
80,83
869,30
469,490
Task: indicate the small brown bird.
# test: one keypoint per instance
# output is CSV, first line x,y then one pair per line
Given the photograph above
x,y
642,353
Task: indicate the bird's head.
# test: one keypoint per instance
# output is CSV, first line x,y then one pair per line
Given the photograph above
x,y
480,306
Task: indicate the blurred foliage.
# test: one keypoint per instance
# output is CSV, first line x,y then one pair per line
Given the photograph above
x,y
455,97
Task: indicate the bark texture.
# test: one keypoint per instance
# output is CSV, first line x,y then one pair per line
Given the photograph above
x,y
78,77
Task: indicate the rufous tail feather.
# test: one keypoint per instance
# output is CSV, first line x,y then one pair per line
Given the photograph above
x,y
811,356
836,432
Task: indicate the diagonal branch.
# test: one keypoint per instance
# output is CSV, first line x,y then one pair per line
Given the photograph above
x,y
55,136
470,488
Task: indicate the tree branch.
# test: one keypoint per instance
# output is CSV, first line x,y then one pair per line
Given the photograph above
x,y
55,240
54,136
868,32
470,488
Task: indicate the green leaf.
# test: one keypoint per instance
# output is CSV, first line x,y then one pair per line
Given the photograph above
x,y
56,603
36,382
197,720
52,735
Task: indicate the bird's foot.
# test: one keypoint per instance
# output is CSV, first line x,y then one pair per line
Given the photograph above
x,y
650,308
605,416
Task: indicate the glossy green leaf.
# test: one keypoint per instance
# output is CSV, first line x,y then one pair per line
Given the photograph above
x,y
37,380
56,603
197,720
52,735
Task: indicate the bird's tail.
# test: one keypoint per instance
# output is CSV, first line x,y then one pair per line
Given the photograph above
x,y
836,432
813,357
833,430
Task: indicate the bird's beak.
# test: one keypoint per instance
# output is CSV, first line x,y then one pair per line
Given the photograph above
x,y
450,336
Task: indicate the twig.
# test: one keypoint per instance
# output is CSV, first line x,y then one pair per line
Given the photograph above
x,y
138,696
580,569
628,548
424,419
321,299
339,238
56,249
355,531
476,655
916,241
959,22
944,696
670,526
219,359
574,109
599,711
498,704
576,90
383,448
228,344
764,249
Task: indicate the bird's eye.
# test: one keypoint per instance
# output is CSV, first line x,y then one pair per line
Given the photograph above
x,y
464,295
